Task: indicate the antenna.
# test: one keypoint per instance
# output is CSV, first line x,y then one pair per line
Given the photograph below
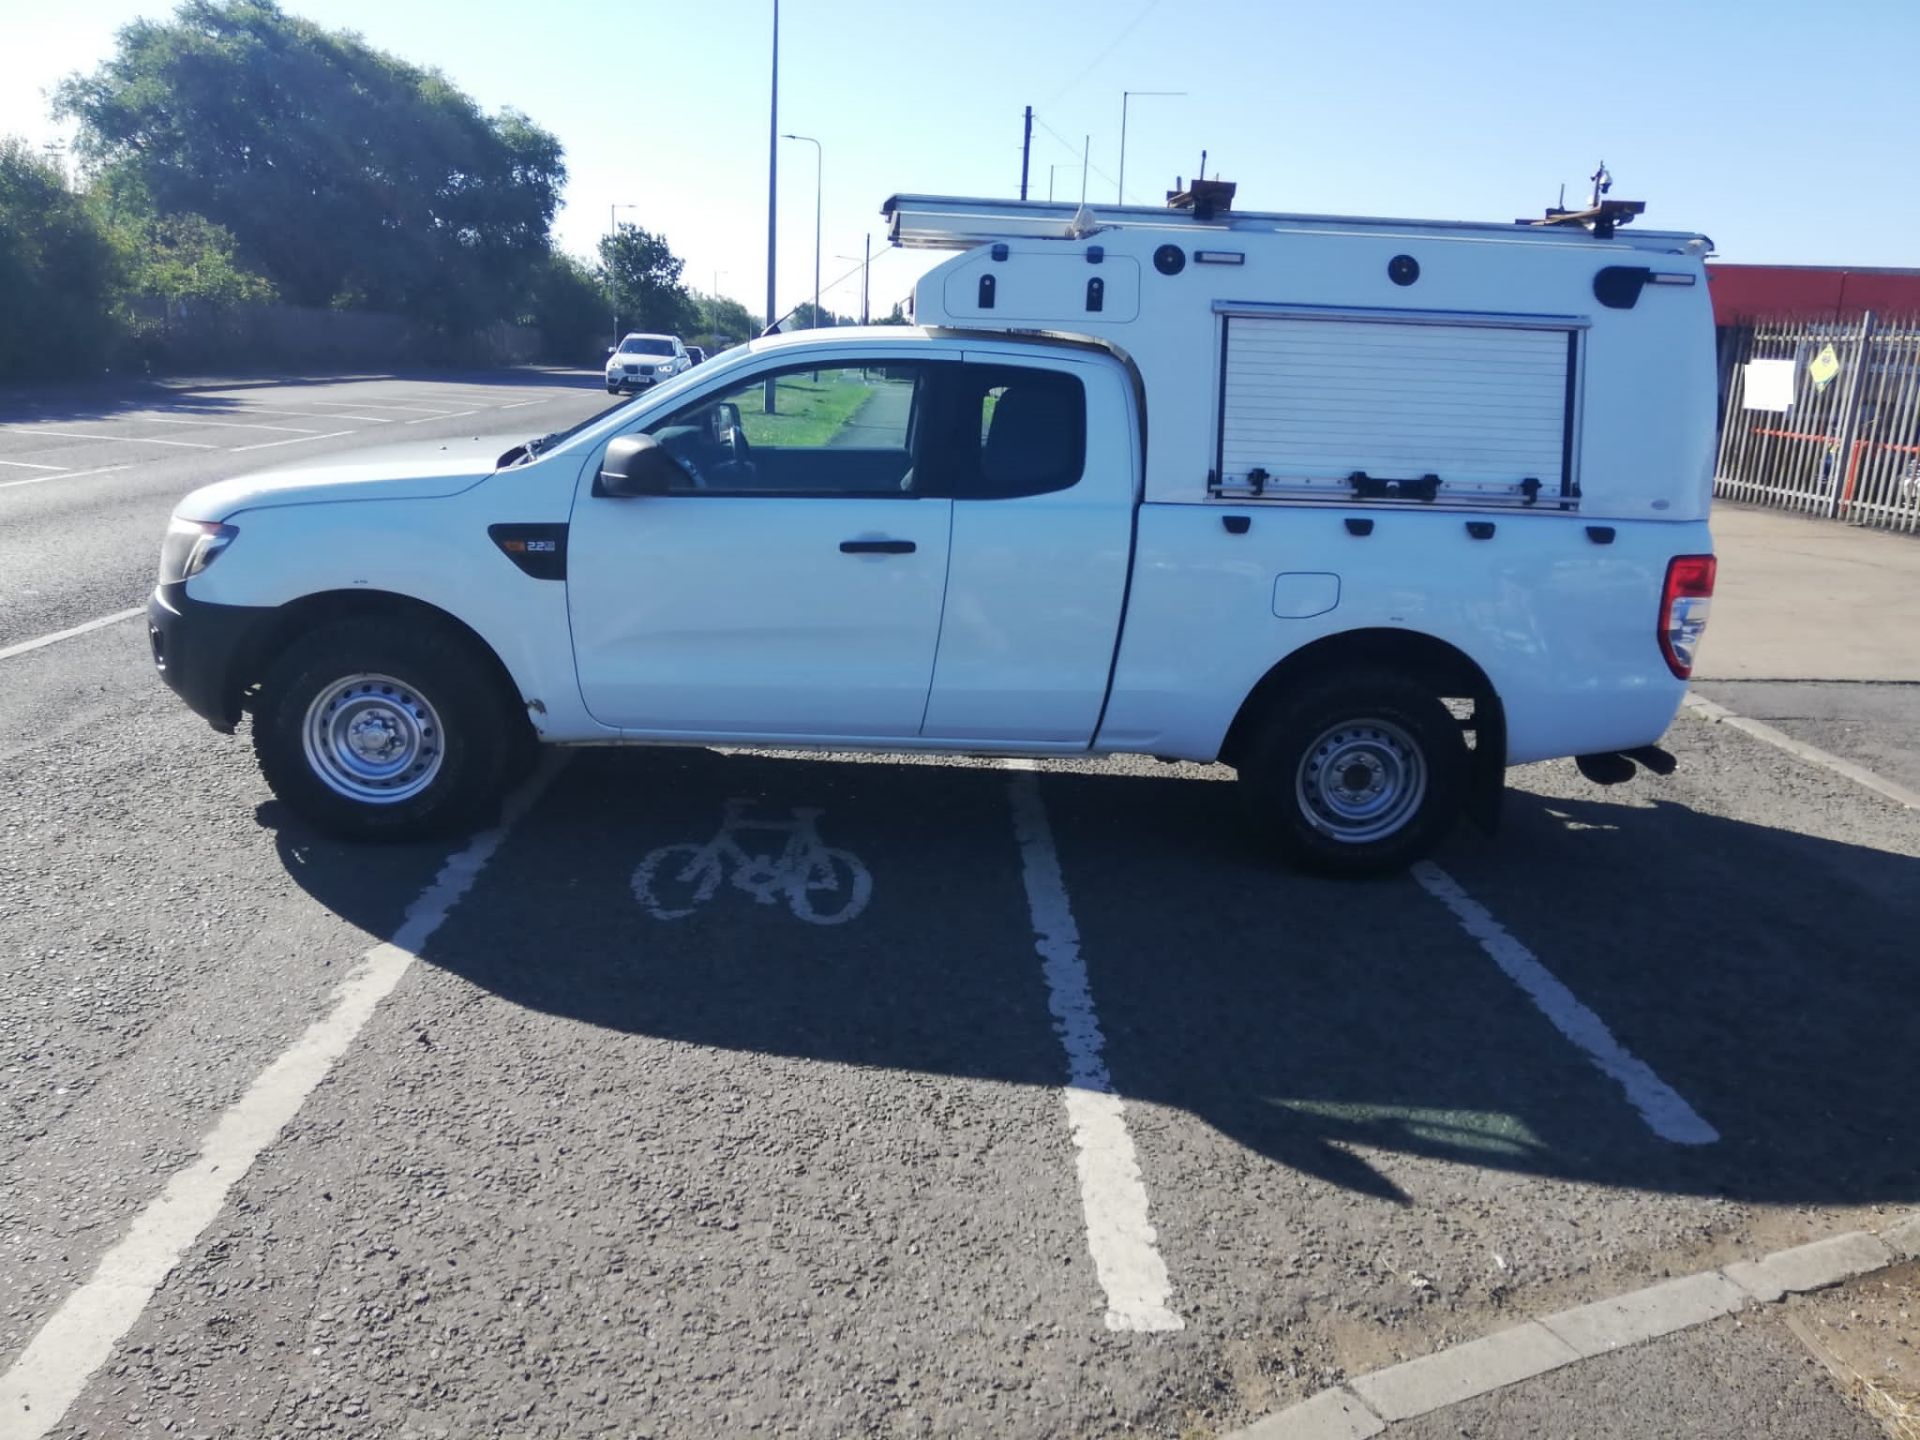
x,y
1601,217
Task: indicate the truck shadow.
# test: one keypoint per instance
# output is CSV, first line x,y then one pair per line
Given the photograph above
x,y
1765,975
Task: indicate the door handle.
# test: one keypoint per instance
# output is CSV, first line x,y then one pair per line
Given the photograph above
x,y
877,547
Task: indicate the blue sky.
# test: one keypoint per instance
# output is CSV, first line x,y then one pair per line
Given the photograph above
x,y
1763,123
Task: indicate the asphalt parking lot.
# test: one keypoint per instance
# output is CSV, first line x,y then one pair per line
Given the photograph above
x,y
815,1095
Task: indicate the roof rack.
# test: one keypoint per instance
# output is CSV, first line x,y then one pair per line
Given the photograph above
x,y
952,222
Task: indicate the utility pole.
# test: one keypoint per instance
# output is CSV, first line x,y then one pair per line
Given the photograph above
x,y
773,174
866,265
1026,152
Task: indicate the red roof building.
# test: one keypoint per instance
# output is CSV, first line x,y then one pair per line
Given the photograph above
x,y
1745,293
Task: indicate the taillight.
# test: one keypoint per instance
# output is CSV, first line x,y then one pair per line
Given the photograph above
x,y
1685,601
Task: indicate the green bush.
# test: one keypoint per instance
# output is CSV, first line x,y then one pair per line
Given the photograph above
x,y
59,273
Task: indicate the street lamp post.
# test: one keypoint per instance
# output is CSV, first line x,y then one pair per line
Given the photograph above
x,y
1125,96
613,233
819,162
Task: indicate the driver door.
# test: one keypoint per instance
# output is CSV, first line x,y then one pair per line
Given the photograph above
x,y
791,588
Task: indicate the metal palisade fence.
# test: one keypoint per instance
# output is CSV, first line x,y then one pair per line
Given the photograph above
x,y
1824,418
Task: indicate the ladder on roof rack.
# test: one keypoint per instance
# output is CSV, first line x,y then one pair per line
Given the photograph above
x,y
943,222
951,222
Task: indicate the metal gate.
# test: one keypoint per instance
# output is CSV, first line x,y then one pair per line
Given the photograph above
x,y
1837,434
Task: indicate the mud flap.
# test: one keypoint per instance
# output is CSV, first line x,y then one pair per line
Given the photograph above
x,y
1487,767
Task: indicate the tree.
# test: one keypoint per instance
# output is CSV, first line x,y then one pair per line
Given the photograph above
x,y
805,317
569,304
727,320
188,258
642,276
345,175
895,316
58,272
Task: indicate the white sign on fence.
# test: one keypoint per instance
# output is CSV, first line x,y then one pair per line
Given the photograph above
x,y
1767,385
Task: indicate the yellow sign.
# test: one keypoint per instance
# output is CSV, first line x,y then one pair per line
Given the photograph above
x,y
1825,366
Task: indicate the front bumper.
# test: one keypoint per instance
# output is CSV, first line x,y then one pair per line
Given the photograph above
x,y
633,382
198,649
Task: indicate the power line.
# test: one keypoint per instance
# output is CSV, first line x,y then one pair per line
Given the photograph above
x,y
1075,151
1112,45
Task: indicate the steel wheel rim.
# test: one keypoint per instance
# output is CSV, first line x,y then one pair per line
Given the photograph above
x,y
373,739
1361,780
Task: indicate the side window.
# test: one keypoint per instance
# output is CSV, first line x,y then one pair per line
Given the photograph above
x,y
1013,432
843,430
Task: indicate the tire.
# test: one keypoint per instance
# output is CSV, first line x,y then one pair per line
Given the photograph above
x,y
613,389
1361,773
371,731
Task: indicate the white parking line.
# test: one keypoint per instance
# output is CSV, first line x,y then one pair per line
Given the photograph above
x,y
29,465
522,404
314,414
1113,1196
296,440
387,405
444,415
214,424
63,475
121,439
1666,1114
78,1338
45,640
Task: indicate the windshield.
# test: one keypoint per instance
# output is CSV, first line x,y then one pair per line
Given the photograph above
x,y
645,345
685,380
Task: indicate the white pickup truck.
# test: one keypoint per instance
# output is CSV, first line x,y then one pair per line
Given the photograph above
x,y
1367,509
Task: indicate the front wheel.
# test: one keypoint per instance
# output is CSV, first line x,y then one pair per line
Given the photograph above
x,y
373,732
1358,774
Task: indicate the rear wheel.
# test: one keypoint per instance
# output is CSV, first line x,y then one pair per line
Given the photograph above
x,y
1360,773
374,732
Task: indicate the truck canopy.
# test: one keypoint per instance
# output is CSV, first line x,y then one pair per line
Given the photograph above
x,y
1340,360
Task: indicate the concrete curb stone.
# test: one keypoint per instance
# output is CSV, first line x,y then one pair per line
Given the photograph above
x,y
1646,1314
1331,1415
1403,1391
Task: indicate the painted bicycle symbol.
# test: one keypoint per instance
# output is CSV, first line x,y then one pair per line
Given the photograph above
x,y
822,886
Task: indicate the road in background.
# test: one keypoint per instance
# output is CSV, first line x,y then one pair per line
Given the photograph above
x,y
88,477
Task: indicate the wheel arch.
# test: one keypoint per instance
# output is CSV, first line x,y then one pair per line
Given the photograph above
x,y
1449,671
298,617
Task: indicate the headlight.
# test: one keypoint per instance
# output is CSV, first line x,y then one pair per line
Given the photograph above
x,y
191,546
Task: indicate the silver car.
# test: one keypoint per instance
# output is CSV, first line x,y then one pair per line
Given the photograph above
x,y
642,361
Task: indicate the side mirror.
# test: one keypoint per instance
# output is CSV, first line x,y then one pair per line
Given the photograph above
x,y
727,416
610,349
640,465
